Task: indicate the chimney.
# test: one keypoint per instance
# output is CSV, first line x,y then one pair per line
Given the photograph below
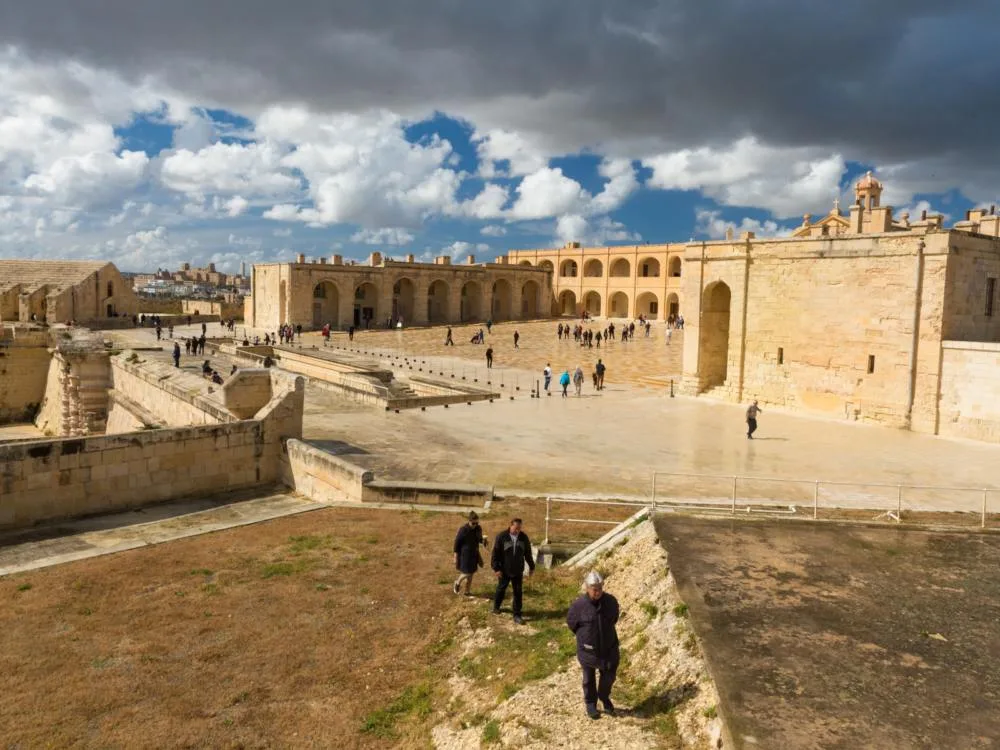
x,y
443,260
300,258
322,261
923,215
471,260
409,258
337,260
375,259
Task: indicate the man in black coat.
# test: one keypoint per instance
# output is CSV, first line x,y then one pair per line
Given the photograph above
x,y
511,550
592,618
467,557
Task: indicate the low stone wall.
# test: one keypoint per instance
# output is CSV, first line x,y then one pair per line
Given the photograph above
x,y
426,493
44,480
970,390
175,397
124,415
323,476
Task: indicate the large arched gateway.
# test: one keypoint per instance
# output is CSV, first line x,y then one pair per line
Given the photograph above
x,y
713,335
531,292
437,302
647,305
592,303
567,303
326,305
503,300
472,298
366,305
402,301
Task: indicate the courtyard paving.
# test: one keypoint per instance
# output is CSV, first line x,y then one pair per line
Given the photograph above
x,y
611,442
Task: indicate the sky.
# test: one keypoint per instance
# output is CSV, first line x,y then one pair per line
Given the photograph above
x,y
151,133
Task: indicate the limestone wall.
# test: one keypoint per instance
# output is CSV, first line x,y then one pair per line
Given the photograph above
x,y
50,479
973,261
821,325
24,363
970,390
176,397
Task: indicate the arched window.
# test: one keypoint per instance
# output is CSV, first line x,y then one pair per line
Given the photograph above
x,y
621,268
111,289
568,268
675,266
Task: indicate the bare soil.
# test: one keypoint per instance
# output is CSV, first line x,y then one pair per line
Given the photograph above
x,y
325,628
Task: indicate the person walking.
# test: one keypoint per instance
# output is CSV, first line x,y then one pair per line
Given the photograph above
x,y
564,382
468,558
600,375
578,380
489,358
448,340
489,326
752,413
547,374
517,337
511,551
592,619
177,354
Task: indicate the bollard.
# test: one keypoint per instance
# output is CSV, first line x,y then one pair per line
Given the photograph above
x,y
671,387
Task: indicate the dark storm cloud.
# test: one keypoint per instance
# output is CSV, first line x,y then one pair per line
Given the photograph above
x,y
885,80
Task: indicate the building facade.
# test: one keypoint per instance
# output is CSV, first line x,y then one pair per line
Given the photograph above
x,y
384,292
57,291
613,282
865,317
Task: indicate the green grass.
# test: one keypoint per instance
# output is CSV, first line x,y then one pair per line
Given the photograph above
x,y
665,725
680,610
491,733
299,544
650,609
415,701
710,712
283,568
201,572
24,587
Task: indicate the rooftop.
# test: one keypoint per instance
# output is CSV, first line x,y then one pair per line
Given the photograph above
x,y
59,274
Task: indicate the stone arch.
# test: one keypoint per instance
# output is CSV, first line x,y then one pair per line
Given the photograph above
x,y
592,302
649,268
713,335
326,305
673,305
503,300
568,268
675,266
437,302
546,265
593,268
531,292
471,302
621,268
618,305
567,303
524,263
647,304
366,312
404,293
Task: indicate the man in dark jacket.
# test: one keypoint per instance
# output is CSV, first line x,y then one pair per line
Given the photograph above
x,y
592,618
467,557
511,550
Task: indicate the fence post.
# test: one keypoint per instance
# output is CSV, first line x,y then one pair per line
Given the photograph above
x,y
816,501
983,523
548,513
899,502
654,490
734,496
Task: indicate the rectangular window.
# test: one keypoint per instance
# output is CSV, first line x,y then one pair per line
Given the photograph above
x,y
871,363
781,356
645,270
991,288
653,306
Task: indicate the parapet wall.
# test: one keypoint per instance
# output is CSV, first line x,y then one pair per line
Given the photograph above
x,y
44,480
24,362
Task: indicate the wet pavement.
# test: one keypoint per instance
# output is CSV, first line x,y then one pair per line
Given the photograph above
x,y
844,636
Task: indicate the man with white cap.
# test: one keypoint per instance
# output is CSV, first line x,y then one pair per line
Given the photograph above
x,y
592,618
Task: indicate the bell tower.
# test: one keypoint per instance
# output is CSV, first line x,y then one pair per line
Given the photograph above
x,y
868,192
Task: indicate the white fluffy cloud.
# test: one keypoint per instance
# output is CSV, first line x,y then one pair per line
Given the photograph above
x,y
786,181
503,153
383,236
711,223
604,231
493,230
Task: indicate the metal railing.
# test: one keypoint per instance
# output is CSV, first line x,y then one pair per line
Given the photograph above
x,y
736,493
550,519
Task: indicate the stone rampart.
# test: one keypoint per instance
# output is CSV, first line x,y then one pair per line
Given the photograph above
x,y
24,362
176,397
323,476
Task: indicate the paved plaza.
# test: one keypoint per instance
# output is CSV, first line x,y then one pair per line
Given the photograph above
x,y
611,442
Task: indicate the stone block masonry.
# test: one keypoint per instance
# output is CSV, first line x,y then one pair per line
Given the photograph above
x,y
44,480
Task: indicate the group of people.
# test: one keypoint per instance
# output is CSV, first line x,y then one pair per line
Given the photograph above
x,y
577,378
592,617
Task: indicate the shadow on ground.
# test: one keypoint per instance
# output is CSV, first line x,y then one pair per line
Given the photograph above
x,y
844,636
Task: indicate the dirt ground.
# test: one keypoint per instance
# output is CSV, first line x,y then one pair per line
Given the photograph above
x,y
298,632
